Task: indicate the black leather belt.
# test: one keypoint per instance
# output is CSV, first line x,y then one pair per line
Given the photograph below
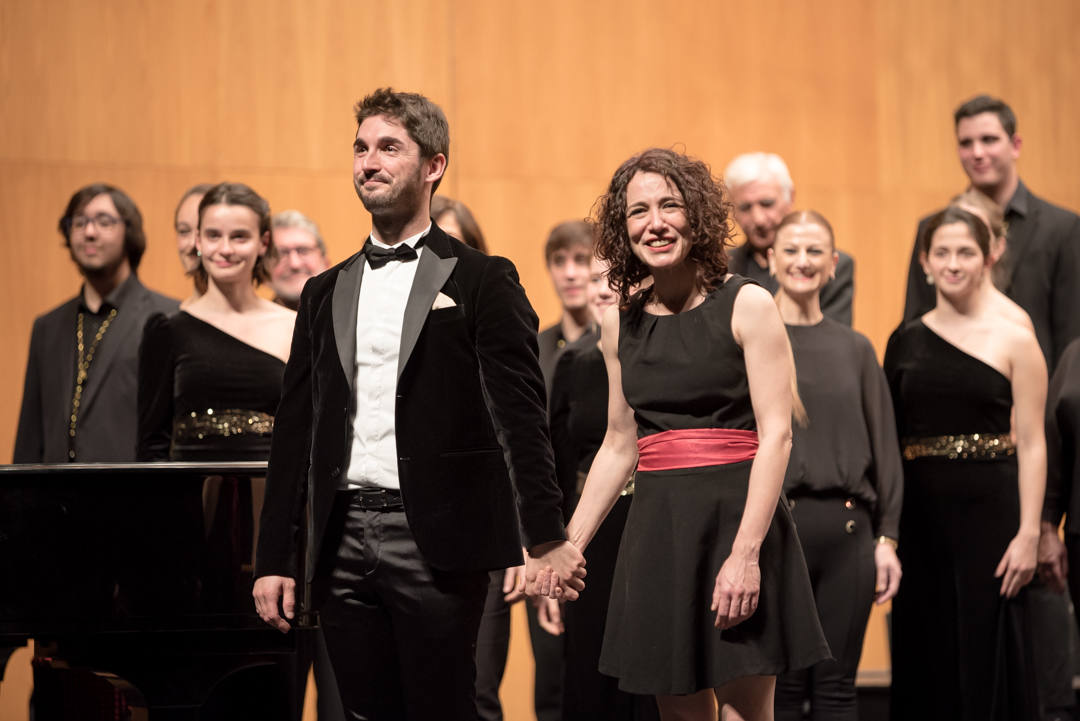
x,y
376,499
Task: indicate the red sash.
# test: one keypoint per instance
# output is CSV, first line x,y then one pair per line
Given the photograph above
x,y
695,447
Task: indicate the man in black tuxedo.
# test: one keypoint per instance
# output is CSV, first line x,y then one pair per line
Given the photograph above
x,y
411,398
79,395
1042,257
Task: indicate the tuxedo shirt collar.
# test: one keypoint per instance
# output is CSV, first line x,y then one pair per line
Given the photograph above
x,y
411,241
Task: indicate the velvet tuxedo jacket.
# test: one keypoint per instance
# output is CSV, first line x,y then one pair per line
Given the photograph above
x,y
469,416
108,416
1043,257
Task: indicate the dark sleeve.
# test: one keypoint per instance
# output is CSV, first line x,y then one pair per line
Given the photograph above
x,y
506,345
157,370
1065,303
892,374
838,293
562,442
887,472
282,519
30,435
1060,439
920,296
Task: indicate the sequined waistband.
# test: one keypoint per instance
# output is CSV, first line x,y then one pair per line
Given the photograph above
x,y
197,425
974,446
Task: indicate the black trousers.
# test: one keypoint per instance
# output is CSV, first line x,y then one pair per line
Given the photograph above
x,y
401,635
838,543
492,647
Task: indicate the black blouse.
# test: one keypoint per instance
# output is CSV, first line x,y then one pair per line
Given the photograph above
x,y
850,445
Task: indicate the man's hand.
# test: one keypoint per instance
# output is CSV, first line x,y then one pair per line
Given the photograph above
x,y
513,587
556,570
549,615
267,592
1053,559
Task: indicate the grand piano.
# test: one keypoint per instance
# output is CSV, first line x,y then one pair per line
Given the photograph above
x,y
134,581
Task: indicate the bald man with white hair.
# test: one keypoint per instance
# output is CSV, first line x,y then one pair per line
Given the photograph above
x,y
762,192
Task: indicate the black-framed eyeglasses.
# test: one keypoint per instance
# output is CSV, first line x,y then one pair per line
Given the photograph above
x,y
101,221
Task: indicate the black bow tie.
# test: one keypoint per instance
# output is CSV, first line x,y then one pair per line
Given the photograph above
x,y
378,257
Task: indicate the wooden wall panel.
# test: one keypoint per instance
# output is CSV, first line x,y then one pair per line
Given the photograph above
x,y
544,101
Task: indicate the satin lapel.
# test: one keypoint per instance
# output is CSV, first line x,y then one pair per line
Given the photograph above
x,y
431,275
123,332
346,296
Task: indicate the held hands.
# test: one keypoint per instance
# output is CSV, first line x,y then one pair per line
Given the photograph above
x,y
556,570
888,572
1052,557
267,592
1017,566
735,596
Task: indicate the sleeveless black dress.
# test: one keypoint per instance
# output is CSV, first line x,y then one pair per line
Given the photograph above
x,y
686,371
960,651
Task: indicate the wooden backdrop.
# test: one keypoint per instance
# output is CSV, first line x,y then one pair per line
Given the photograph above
x,y
544,100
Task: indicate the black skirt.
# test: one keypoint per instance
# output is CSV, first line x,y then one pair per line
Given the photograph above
x,y
660,637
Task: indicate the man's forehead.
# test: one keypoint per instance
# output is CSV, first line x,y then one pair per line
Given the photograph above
x,y
101,201
373,120
987,122
766,187
294,236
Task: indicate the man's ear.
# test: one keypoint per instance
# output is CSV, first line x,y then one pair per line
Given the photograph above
x,y
435,167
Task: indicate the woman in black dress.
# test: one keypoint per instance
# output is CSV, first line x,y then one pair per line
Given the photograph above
x,y
711,597
210,375
844,481
973,490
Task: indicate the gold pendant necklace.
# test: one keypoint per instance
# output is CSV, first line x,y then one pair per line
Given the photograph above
x,y
86,357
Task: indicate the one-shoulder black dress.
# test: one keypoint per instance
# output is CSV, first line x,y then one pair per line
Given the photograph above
x,y
685,371
960,651
204,395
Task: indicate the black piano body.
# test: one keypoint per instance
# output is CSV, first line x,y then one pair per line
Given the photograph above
x,y
136,579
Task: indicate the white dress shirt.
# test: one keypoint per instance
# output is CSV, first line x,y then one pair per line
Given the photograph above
x,y
379,315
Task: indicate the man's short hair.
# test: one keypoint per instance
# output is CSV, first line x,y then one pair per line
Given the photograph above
x,y
296,219
134,236
987,104
422,119
759,167
569,234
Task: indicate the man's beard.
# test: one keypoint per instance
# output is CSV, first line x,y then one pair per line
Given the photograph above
x,y
99,272
391,202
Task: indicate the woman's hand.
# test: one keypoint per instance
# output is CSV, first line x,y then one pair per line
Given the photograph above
x,y
1018,564
735,596
888,572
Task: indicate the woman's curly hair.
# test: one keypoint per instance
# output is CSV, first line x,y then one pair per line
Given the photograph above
x,y
708,214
